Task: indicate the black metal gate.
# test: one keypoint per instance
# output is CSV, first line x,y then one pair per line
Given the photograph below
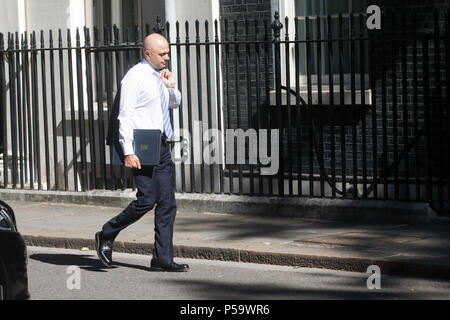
x,y
336,110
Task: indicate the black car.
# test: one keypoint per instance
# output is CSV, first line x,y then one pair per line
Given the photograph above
x,y
13,258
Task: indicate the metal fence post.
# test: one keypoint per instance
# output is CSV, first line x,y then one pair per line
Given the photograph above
x,y
45,110
3,132
90,98
158,27
276,27
35,110
447,76
12,109
81,117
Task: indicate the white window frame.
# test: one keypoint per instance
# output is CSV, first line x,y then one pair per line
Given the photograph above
x,y
287,9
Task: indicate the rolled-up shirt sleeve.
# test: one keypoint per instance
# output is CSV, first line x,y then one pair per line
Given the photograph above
x,y
128,102
174,98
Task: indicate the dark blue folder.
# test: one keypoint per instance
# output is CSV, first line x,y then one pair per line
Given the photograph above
x,y
147,144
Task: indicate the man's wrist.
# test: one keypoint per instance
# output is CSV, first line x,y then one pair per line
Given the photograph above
x,y
127,148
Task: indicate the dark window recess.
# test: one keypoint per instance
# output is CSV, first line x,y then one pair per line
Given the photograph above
x,y
334,8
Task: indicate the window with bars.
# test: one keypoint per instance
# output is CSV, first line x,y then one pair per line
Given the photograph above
x,y
125,14
320,10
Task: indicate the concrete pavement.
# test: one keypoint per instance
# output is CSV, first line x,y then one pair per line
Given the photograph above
x,y
397,248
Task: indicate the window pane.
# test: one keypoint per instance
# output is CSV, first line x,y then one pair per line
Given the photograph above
x,y
107,17
359,6
307,8
313,7
130,16
336,6
333,8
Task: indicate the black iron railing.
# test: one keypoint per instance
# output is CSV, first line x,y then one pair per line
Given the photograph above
x,y
358,113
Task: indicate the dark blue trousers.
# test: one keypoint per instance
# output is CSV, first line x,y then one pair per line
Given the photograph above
x,y
155,187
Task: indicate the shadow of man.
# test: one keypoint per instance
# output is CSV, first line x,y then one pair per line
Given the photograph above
x,y
85,262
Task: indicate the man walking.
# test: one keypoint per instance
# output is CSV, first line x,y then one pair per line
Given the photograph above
x,y
147,92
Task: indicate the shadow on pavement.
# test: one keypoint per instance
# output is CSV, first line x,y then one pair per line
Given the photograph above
x,y
85,262
351,290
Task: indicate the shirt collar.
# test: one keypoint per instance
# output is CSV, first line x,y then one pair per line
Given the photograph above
x,y
153,71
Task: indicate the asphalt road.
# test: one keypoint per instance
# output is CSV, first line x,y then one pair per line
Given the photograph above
x,y
78,275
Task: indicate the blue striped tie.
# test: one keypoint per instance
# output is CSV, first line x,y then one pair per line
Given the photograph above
x,y
165,110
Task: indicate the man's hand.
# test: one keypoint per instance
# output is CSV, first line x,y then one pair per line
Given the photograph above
x,y
167,78
131,161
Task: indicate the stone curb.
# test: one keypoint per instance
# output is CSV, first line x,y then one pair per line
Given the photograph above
x,y
369,211
399,268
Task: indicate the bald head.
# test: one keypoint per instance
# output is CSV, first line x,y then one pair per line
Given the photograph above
x,y
154,40
156,51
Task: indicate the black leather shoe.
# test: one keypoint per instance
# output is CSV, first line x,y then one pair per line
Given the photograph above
x,y
104,249
169,266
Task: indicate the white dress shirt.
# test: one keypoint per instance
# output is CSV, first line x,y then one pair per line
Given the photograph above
x,y
140,103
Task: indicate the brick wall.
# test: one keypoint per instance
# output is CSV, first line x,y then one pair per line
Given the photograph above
x,y
436,147
247,21
381,57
